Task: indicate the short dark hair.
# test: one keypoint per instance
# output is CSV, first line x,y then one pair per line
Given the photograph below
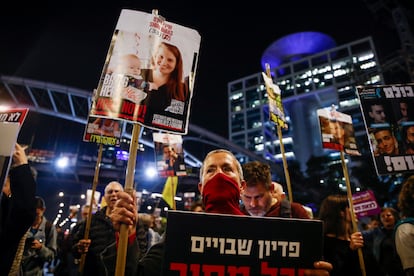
x,y
40,203
376,130
256,172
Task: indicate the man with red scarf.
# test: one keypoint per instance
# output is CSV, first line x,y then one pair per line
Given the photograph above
x,y
221,178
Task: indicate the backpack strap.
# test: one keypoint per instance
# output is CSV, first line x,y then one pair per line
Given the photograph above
x,y
285,209
48,227
404,220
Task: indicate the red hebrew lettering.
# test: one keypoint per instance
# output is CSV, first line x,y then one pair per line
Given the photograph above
x,y
209,270
287,272
195,269
181,268
265,270
236,271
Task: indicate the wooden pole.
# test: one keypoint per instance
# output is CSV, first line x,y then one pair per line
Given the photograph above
x,y
129,188
173,183
351,207
282,148
285,165
89,217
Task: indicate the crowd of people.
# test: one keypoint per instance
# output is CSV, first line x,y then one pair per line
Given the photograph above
x,y
226,187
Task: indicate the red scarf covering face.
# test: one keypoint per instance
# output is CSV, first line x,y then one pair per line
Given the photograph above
x,y
221,195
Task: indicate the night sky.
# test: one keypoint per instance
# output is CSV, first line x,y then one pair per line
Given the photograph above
x,y
67,43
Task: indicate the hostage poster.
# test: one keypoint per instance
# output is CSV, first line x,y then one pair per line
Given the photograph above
x,y
169,154
276,110
149,73
217,244
389,121
337,131
103,131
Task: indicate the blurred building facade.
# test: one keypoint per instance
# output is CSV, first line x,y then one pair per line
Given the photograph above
x,y
307,83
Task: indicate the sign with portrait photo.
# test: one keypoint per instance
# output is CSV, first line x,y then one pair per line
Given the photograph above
x,y
169,154
388,112
103,131
149,73
337,131
276,110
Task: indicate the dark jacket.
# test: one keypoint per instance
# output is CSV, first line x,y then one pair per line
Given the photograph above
x,y
101,234
345,261
380,243
20,205
141,260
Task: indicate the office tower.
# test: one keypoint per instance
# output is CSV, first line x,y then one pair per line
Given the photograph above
x,y
317,74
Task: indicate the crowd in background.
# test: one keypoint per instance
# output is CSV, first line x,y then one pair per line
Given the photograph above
x,y
35,246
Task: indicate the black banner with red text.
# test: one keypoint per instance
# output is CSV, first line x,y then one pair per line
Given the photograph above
x,y
215,244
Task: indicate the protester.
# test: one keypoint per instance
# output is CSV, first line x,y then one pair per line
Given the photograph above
x,y
379,245
280,195
17,201
338,249
404,230
148,220
374,222
41,242
221,178
101,232
257,194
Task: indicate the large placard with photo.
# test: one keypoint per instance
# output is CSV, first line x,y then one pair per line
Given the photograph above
x,y
149,73
337,131
388,112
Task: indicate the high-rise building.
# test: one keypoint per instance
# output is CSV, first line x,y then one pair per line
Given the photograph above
x,y
312,73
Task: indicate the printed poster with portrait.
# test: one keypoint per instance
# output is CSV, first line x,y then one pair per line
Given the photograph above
x,y
388,112
169,154
276,110
102,130
337,131
149,73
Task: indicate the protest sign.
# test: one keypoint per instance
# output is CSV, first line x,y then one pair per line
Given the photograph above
x,y
388,117
216,244
148,76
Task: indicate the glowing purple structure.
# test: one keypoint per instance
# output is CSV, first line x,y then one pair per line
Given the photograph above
x,y
295,46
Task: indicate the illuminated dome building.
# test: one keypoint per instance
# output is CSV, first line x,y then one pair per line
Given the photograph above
x,y
294,47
